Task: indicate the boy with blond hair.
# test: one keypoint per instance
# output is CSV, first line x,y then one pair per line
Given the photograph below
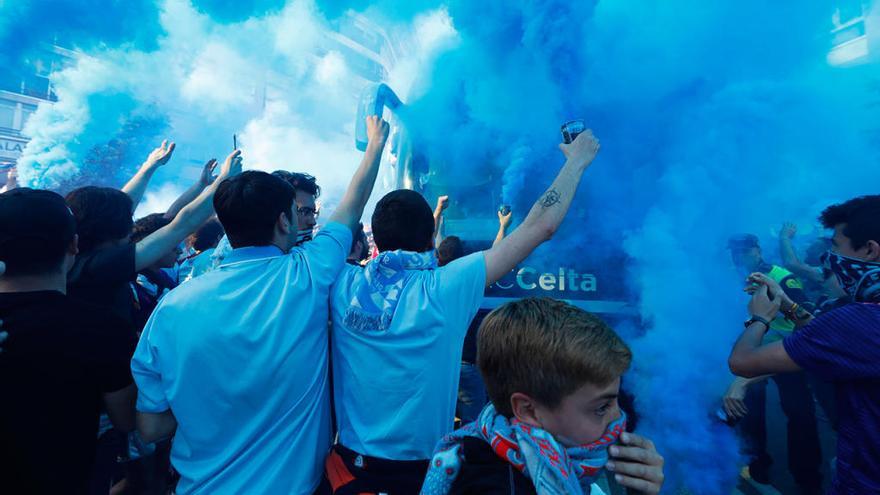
x,y
553,373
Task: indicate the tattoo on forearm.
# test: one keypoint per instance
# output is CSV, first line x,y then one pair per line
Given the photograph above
x,y
550,198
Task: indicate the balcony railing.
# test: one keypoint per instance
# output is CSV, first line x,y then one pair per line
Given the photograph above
x,y
8,131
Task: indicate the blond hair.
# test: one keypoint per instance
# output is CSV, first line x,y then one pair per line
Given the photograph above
x,y
546,349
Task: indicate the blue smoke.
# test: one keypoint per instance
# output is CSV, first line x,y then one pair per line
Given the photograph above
x,y
714,117
26,24
238,10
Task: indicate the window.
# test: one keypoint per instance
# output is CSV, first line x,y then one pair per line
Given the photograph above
x,y
7,114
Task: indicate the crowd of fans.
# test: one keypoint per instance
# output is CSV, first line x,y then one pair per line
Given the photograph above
x,y
229,346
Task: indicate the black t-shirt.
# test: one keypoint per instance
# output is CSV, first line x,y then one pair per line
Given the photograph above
x,y
60,357
104,277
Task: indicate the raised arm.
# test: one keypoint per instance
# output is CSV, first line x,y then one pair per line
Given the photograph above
x,y
361,186
190,218
503,223
205,179
547,213
790,258
442,204
137,185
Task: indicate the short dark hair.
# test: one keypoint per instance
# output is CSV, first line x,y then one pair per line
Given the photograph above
x,y
102,214
248,206
860,215
36,229
147,225
403,220
207,236
449,250
300,182
546,349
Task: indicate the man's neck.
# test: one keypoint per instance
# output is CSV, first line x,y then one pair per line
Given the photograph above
x,y
31,283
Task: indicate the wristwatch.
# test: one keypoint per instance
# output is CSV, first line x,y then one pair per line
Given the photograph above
x,y
757,319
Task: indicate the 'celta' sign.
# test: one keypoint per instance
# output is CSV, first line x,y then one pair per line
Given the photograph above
x,y
532,281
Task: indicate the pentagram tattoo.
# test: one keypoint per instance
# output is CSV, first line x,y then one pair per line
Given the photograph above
x,y
550,198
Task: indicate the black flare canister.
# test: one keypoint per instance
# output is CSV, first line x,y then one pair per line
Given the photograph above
x,y
571,129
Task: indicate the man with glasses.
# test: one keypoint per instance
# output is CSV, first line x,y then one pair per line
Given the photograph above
x,y
307,193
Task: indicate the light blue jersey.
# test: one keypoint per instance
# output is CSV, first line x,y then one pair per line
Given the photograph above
x,y
239,355
395,389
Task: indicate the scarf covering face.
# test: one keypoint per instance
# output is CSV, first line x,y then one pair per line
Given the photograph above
x,y
553,469
860,279
377,292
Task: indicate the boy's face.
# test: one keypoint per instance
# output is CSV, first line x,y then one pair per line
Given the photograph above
x,y
583,416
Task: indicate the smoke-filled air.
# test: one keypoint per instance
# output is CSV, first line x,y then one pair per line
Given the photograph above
x,y
715,118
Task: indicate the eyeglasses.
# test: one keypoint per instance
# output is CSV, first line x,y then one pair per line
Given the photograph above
x,y
306,211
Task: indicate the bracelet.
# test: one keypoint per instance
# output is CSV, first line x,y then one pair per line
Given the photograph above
x,y
757,319
796,313
791,313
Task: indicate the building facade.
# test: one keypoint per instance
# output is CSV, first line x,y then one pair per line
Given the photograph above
x,y
855,33
24,85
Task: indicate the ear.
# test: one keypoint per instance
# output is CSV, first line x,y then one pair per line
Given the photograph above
x,y
524,409
872,250
283,224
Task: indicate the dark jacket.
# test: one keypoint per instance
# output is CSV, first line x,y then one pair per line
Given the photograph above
x,y
483,472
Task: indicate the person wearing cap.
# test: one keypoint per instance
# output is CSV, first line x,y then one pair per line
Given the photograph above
x,y
841,345
746,397
63,361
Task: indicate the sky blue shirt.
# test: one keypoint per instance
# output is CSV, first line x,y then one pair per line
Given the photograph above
x,y
239,355
395,390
